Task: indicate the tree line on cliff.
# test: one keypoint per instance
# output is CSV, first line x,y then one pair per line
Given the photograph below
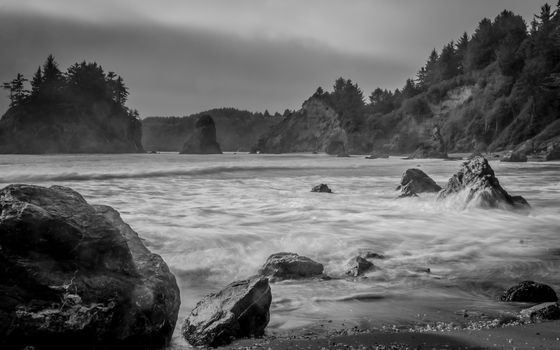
x,y
80,110
491,90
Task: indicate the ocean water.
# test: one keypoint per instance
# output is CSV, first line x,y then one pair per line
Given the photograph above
x,y
216,218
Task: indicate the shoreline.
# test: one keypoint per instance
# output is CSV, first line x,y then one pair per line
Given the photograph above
x,y
543,335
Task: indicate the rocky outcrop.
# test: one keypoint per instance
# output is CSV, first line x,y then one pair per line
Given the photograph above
x,y
530,292
357,266
416,181
552,152
283,266
203,138
321,188
544,311
513,156
476,180
434,148
316,127
239,310
74,275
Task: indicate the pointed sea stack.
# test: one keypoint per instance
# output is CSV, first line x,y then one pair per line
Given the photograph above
x,y
477,178
203,140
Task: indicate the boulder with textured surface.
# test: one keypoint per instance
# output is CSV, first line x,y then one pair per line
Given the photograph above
x,y
203,139
283,266
357,266
321,188
530,292
544,311
239,310
416,181
74,275
477,181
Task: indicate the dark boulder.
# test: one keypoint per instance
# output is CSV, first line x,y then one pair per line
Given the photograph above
x,y
513,156
530,292
483,188
239,310
283,266
321,188
203,139
544,311
75,275
416,181
357,266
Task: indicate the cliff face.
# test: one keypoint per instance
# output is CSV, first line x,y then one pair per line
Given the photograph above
x,y
316,127
103,128
236,130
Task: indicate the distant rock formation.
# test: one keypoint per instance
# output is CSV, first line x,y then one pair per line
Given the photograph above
x,y
434,148
416,181
239,310
203,139
477,179
76,273
514,156
282,266
314,128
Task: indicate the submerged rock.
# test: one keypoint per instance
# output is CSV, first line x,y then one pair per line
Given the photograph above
x,y
357,266
513,156
203,139
321,188
416,181
476,179
283,266
544,311
530,292
239,310
74,275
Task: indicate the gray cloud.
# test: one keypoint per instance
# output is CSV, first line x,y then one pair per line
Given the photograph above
x,y
182,57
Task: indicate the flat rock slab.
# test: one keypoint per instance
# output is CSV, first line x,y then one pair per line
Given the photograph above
x,y
239,310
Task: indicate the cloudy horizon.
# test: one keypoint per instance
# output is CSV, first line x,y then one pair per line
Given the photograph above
x,y
183,57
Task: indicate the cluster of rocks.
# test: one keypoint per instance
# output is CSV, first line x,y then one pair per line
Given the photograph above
x,y
475,177
547,308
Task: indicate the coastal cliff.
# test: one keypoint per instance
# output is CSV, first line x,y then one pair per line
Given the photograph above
x,y
80,111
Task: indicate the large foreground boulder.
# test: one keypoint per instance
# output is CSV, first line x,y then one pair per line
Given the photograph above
x,y
239,310
476,180
544,311
530,292
416,181
75,276
283,266
203,139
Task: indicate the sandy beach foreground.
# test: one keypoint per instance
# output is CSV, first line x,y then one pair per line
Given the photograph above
x,y
545,335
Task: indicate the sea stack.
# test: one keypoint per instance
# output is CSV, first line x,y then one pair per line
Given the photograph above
x,y
203,139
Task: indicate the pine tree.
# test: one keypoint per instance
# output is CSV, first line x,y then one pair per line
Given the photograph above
x,y
460,51
36,82
17,90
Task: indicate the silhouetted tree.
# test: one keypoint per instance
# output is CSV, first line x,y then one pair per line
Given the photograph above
x,y
17,90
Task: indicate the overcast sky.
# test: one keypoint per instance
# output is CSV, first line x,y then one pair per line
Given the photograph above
x,y
184,56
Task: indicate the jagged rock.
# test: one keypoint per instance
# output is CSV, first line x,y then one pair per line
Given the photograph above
x,y
530,292
368,254
321,188
553,152
74,275
512,156
283,266
544,311
416,181
239,310
203,139
483,188
357,266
